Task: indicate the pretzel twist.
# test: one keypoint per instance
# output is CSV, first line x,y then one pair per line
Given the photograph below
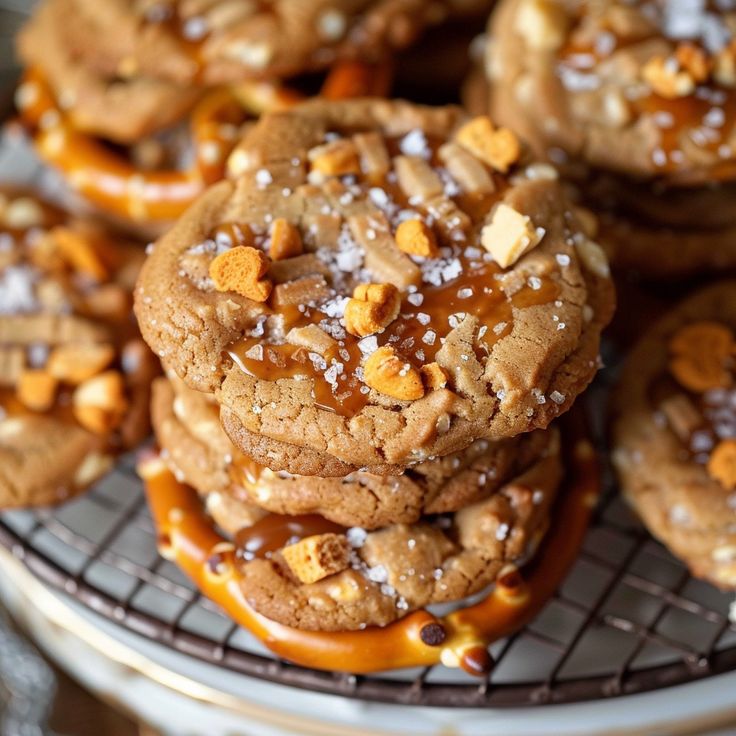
x,y
460,639
111,182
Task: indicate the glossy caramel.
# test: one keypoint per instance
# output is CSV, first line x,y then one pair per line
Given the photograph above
x,y
275,531
703,120
425,319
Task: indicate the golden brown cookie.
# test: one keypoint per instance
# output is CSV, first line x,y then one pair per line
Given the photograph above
x,y
675,432
428,299
74,376
636,101
196,448
223,41
122,110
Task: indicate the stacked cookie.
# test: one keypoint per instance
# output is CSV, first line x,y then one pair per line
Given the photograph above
x,y
171,83
368,331
636,101
74,378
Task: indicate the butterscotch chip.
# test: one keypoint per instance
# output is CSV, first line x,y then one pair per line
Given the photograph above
x,y
286,242
415,238
499,148
65,296
703,337
313,338
543,23
337,158
77,250
100,403
306,411
693,59
434,376
37,389
509,235
372,308
300,292
666,79
388,373
76,362
701,353
317,557
242,270
613,125
722,464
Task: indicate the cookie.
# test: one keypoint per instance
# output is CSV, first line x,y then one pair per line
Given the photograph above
x,y
196,448
119,110
675,432
74,376
635,101
225,41
372,291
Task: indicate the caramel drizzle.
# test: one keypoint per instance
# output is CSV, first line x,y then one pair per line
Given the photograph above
x,y
420,330
420,639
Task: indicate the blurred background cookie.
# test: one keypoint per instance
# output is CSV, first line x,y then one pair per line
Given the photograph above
x,y
636,102
675,431
74,376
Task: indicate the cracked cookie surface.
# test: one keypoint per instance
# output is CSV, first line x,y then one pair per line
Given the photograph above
x,y
636,101
224,41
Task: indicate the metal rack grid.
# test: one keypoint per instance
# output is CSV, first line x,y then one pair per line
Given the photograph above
x,y
629,617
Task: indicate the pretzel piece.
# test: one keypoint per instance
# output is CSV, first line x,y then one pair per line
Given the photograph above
x,y
110,181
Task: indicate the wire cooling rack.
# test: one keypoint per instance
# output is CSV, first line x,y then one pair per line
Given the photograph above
x,y
628,618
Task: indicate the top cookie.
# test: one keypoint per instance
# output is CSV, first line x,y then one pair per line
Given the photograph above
x,y
643,88
221,41
382,283
675,433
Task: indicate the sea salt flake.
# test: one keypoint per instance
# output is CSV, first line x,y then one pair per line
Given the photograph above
x,y
356,536
557,397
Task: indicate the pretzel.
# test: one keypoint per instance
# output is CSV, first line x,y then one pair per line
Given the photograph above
x,y
110,181
460,639
352,78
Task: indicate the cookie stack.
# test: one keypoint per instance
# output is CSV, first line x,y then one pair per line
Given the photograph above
x,y
636,101
74,378
368,332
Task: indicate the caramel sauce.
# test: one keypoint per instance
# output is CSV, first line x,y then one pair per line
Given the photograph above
x,y
275,531
425,319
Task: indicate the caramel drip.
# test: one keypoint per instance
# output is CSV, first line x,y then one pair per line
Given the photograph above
x,y
275,531
419,639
